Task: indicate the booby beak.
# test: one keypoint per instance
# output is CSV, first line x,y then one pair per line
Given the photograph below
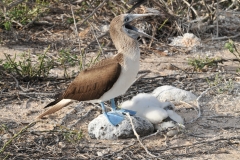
x,y
132,31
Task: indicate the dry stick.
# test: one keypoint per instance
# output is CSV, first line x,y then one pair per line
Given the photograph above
x,y
36,94
30,23
198,106
225,37
151,135
96,38
233,4
13,4
217,17
191,7
99,37
138,138
17,83
81,118
95,10
141,76
178,68
202,142
78,39
16,135
106,155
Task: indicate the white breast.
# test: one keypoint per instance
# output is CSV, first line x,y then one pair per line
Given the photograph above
x,y
127,77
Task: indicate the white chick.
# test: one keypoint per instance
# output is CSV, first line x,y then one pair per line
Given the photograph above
x,y
149,107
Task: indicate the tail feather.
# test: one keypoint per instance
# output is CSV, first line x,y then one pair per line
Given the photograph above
x,y
58,98
57,105
53,103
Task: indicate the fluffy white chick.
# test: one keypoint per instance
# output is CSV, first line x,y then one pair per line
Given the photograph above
x,y
149,107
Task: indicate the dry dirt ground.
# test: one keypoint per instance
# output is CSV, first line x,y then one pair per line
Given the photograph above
x,y
63,135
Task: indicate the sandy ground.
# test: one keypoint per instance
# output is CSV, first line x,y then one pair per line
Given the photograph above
x,y
215,135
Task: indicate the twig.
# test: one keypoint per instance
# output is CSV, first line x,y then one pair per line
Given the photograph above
x,y
16,135
96,38
137,79
78,39
13,4
198,106
17,83
95,10
151,135
138,138
178,68
217,15
36,94
225,37
204,141
81,118
190,105
107,155
99,37
30,23
191,7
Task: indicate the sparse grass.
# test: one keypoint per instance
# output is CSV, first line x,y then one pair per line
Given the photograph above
x,y
227,84
27,66
200,63
66,59
16,135
71,136
3,129
233,49
20,14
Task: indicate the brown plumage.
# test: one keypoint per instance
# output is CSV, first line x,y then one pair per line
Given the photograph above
x,y
87,87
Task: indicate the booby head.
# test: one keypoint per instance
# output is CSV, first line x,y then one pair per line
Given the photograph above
x,y
122,33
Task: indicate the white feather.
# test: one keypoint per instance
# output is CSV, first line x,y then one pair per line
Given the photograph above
x,y
149,107
127,76
174,116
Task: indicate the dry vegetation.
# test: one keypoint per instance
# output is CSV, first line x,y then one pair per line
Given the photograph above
x,y
46,32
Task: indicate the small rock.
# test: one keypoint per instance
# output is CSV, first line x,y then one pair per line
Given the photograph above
x,y
99,153
172,133
61,144
164,125
188,40
169,127
100,128
170,93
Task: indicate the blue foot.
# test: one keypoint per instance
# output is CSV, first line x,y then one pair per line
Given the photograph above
x,y
113,105
113,117
132,113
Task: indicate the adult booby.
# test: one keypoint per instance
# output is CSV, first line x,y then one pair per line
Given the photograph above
x,y
108,78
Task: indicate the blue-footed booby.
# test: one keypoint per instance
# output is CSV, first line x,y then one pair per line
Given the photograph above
x,y
108,78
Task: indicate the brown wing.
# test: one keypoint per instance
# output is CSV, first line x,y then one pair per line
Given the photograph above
x,y
92,83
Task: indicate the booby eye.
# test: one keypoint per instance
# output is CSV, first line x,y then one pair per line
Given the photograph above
x,y
126,19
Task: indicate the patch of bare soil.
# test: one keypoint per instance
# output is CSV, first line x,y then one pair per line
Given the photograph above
x,y
215,135
63,135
